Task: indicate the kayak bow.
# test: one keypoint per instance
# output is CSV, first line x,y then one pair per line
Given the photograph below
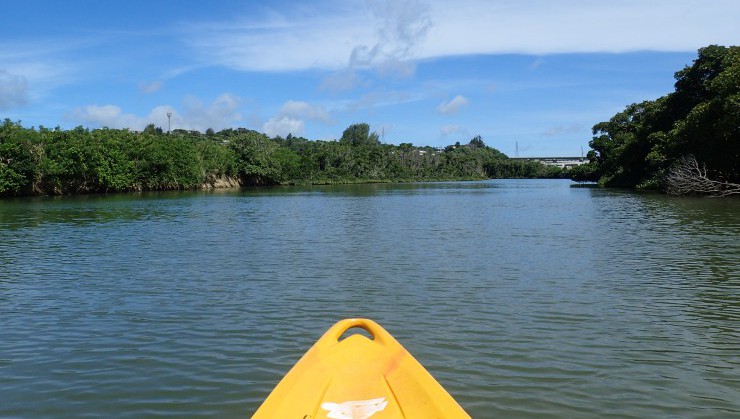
x,y
358,378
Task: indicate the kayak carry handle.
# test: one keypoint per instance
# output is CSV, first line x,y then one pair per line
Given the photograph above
x,y
374,329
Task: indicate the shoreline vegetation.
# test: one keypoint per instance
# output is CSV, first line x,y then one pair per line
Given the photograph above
x,y
684,143
80,161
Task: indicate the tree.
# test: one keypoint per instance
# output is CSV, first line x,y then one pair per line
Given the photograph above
x,y
359,135
153,129
255,162
709,93
639,146
477,142
18,159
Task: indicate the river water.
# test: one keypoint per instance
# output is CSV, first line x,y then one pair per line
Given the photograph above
x,y
524,298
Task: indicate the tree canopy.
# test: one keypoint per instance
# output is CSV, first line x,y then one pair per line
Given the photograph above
x,y
56,161
359,135
639,146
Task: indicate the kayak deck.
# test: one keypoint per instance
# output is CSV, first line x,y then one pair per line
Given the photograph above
x,y
358,378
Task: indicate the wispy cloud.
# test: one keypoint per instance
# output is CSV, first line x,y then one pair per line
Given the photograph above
x,y
381,98
30,70
24,82
150,87
537,63
283,41
391,36
400,26
378,35
452,106
341,81
13,90
565,130
448,130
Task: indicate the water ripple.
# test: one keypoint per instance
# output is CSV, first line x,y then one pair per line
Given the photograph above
x,y
523,298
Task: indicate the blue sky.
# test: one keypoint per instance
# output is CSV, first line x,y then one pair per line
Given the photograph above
x,y
537,73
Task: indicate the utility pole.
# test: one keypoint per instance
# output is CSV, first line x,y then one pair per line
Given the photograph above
x,y
169,121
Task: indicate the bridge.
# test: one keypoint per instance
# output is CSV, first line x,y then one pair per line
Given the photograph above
x,y
556,161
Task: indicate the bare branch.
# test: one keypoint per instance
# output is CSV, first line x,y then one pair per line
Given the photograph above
x,y
687,177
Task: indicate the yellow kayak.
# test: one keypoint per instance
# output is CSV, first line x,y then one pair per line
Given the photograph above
x,y
358,378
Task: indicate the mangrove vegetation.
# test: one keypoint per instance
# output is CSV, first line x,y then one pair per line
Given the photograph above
x,y
686,142
56,161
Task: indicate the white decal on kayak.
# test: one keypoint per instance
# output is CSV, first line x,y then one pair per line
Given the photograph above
x,y
360,409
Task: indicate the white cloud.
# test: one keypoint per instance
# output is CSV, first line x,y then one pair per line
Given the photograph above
x,y
282,126
300,109
353,34
574,26
222,113
290,118
400,25
110,116
454,105
13,90
382,35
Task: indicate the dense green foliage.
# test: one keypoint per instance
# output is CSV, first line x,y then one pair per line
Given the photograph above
x,y
640,145
55,161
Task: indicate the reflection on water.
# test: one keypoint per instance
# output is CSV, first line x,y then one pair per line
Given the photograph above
x,y
524,298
